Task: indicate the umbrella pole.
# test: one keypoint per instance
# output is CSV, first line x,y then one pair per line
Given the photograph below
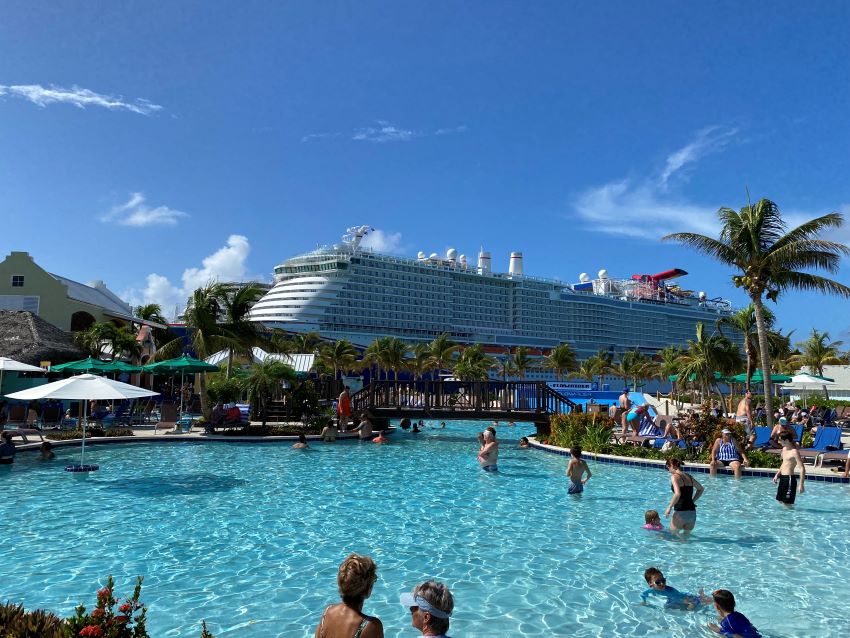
x,y
83,448
181,395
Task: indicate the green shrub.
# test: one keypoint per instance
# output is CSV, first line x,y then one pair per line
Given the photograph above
x,y
304,400
567,430
224,390
16,622
758,458
273,430
94,431
127,621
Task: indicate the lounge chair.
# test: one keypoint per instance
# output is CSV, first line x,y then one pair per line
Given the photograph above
x,y
51,417
17,413
762,436
836,455
168,416
826,440
23,432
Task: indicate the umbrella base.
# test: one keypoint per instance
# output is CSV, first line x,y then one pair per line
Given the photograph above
x,y
81,469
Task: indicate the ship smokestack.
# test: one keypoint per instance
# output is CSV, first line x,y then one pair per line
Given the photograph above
x,y
483,262
515,269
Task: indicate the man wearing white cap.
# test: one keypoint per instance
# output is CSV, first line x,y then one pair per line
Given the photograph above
x,y
431,605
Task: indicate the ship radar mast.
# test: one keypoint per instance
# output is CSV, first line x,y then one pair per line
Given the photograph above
x,y
354,235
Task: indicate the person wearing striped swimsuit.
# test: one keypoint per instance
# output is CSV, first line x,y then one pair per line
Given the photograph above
x,y
726,451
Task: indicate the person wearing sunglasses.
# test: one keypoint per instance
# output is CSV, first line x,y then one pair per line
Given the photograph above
x,y
673,597
431,605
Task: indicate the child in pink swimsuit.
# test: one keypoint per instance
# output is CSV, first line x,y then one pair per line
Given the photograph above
x,y
653,521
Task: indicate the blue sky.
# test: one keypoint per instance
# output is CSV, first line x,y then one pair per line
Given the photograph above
x,y
155,145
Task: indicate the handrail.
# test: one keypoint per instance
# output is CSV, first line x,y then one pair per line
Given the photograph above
x,y
463,396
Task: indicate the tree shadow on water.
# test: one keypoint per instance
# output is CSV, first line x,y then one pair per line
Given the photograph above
x,y
175,484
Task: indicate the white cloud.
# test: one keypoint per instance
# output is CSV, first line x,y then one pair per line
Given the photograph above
x,y
134,212
77,96
383,242
228,263
645,207
708,140
383,132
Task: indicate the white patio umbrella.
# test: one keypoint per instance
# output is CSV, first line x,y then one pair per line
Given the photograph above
x,y
806,381
83,387
10,365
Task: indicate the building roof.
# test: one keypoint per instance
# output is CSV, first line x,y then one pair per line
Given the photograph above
x,y
97,294
839,374
302,363
31,339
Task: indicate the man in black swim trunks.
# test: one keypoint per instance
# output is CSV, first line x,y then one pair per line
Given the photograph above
x,y
788,489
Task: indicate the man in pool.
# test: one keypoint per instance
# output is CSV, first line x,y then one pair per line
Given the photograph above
x,y
787,490
575,470
488,455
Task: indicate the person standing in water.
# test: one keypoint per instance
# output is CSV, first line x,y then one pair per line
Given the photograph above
x,y
625,405
686,491
575,470
787,489
488,455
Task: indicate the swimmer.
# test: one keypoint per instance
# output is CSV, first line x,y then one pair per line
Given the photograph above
x,y
416,429
488,455
673,597
442,425
380,439
523,442
405,424
575,470
329,432
686,491
787,490
302,443
732,623
46,450
511,424
653,521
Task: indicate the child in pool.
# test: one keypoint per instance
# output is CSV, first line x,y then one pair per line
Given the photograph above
x,y
653,521
732,623
673,597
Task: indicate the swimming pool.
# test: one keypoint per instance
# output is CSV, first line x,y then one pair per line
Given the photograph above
x,y
249,537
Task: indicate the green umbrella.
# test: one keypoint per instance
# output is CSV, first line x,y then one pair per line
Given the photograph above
x,y
83,365
758,377
693,377
121,366
183,365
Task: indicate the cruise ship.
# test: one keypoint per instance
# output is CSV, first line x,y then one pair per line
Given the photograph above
x,y
348,291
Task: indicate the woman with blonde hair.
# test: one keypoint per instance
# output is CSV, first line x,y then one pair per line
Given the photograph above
x,y
357,574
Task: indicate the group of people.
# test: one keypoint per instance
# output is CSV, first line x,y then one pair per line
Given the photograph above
x,y
430,604
8,450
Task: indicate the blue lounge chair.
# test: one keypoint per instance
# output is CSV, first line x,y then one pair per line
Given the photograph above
x,y
762,436
826,440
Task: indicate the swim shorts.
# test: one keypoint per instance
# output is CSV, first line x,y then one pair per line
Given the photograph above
x,y
576,487
490,468
786,490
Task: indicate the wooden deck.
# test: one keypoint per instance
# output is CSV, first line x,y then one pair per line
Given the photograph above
x,y
460,400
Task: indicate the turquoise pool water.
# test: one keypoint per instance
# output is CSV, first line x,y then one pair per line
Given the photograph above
x,y
249,537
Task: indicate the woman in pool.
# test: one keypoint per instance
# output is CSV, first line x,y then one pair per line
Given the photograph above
x,y
355,579
727,451
488,455
686,491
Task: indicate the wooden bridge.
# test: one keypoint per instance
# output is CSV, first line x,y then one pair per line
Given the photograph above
x,y
461,400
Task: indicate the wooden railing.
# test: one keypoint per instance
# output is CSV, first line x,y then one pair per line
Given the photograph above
x,y
462,396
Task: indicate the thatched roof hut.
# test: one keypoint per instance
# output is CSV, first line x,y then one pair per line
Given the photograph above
x,y
29,338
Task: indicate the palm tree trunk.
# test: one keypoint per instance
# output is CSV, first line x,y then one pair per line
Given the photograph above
x,y
205,401
229,362
765,357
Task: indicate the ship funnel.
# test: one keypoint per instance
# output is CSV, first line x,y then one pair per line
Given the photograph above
x,y
483,262
603,274
515,268
583,278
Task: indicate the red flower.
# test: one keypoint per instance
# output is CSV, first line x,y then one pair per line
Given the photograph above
x,y
92,630
122,620
125,608
103,593
97,613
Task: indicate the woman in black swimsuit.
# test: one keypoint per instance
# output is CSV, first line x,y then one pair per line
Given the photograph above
x,y
686,491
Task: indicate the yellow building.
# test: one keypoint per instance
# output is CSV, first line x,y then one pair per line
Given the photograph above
x,y
67,304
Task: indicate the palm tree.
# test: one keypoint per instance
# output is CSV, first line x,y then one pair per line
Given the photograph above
x,y
443,352
264,382
338,356
669,363
561,359
744,322
240,333
280,342
305,342
202,312
590,368
632,365
817,351
473,364
393,354
153,312
770,260
372,357
123,343
504,367
522,361
420,360
95,338
705,356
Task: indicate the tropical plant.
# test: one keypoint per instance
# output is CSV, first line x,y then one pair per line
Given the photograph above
x,y
123,343
340,355
96,337
590,368
390,354
419,361
705,356
522,361
103,621
770,260
264,382
817,351
237,332
17,622
743,322
153,312
561,359
473,364
443,350
504,367
305,342
668,363
220,389
632,365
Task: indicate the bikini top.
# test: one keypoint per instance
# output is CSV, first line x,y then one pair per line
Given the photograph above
x,y
357,633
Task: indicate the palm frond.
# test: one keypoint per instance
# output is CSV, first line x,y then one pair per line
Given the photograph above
x,y
810,229
808,282
706,245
